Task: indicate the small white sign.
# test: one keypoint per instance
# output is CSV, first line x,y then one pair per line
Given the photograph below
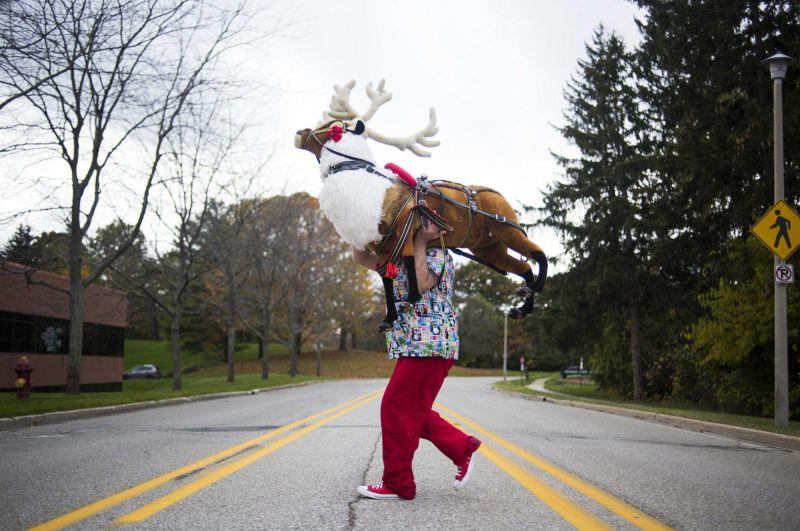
x,y
784,274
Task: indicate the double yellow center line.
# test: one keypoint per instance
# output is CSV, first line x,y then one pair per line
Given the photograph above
x,y
575,515
225,470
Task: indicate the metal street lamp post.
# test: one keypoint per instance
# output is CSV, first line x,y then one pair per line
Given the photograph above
x,y
505,342
778,65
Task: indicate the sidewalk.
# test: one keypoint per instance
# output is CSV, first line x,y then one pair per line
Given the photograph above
x,y
538,385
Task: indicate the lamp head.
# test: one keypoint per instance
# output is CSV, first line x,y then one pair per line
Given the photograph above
x,y
778,65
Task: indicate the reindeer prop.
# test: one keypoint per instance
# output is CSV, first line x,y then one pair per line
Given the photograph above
x,y
380,211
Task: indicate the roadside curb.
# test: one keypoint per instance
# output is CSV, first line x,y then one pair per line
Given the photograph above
x,y
779,440
26,421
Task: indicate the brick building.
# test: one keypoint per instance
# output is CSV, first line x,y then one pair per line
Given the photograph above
x,y
34,321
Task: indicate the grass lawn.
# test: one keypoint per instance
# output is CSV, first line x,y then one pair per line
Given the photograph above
x,y
141,351
588,392
339,364
137,391
207,375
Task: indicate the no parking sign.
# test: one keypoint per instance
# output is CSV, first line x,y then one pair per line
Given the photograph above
x,y
784,274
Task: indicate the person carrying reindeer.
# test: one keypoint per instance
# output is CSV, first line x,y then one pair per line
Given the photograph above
x,y
424,341
403,228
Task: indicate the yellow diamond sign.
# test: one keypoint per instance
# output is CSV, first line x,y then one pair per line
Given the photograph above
x,y
779,230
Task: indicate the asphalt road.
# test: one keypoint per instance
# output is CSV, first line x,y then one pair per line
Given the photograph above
x,y
247,463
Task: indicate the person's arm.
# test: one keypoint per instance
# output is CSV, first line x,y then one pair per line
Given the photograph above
x,y
365,258
426,278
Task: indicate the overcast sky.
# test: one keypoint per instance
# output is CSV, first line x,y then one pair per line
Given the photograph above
x,y
494,70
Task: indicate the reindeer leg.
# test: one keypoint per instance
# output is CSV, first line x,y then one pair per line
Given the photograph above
x,y
517,241
497,254
391,309
527,292
413,289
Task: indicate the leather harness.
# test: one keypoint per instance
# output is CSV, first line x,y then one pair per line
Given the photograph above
x,y
423,189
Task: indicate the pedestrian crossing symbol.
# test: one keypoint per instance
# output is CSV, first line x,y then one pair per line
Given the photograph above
x,y
779,230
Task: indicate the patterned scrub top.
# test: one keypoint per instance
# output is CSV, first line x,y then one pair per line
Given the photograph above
x,y
429,327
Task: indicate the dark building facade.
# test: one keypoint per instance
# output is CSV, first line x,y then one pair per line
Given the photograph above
x,y
34,322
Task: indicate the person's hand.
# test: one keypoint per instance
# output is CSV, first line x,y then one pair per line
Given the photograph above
x,y
427,232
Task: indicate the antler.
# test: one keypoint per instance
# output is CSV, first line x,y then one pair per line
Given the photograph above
x,y
341,109
412,142
376,99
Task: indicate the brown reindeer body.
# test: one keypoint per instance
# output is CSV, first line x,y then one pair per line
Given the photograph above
x,y
487,238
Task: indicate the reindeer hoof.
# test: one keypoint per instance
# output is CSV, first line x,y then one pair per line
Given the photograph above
x,y
384,327
525,291
516,313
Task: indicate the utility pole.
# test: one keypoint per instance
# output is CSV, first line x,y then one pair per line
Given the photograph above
x,y
778,65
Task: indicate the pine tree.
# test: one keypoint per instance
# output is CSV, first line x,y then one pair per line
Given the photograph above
x,y
709,102
21,248
601,205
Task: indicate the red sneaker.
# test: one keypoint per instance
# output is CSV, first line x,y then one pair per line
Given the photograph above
x,y
466,465
378,492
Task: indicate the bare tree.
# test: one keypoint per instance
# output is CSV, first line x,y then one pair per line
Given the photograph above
x,y
312,262
225,246
268,248
353,302
101,84
195,157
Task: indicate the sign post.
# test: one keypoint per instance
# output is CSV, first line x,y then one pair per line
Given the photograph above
x,y
778,65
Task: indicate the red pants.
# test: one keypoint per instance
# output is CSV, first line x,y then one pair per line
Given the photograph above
x,y
406,416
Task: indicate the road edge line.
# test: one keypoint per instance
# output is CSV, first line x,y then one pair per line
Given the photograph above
x,y
56,417
751,435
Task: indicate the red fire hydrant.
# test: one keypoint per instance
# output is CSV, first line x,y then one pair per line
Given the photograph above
x,y
23,371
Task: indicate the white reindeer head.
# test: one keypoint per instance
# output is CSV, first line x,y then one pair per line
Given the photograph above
x,y
340,110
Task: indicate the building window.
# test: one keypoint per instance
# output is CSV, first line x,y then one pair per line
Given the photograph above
x,y
32,334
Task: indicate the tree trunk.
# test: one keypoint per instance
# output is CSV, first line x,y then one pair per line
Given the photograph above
x,y
75,337
636,348
265,331
260,348
156,334
230,344
175,336
76,306
353,340
232,313
294,352
319,357
342,338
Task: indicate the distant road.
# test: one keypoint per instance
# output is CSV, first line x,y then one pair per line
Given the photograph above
x,y
292,459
